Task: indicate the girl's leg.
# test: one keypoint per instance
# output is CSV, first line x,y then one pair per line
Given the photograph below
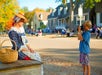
x,y
84,69
88,69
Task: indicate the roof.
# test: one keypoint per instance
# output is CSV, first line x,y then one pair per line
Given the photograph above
x,y
62,15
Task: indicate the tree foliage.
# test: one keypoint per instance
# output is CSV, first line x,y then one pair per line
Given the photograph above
x,y
38,10
25,9
90,3
9,24
42,26
87,3
29,15
7,10
49,9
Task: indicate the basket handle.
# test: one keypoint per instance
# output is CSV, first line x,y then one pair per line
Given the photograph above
x,y
10,40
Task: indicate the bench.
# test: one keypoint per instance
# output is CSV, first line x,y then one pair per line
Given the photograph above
x,y
22,67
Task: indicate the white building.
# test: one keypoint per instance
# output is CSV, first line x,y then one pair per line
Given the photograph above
x,y
38,18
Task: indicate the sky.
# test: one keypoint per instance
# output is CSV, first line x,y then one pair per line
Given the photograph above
x,y
43,4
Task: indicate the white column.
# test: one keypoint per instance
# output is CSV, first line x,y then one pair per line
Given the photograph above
x,y
80,13
98,19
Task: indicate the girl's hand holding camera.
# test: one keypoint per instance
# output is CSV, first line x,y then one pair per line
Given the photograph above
x,y
79,33
79,29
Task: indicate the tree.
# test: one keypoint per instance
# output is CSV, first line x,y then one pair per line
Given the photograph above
x,y
90,3
38,10
87,3
49,9
29,16
25,9
7,10
42,26
9,24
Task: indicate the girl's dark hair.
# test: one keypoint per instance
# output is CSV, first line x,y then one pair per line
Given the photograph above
x,y
21,20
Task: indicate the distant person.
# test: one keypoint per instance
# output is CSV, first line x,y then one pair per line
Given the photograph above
x,y
84,46
17,33
40,32
97,32
63,32
101,32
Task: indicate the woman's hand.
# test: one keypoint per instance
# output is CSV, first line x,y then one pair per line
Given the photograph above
x,y
24,49
31,50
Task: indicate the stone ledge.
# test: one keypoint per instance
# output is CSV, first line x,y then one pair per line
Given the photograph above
x,y
18,64
22,67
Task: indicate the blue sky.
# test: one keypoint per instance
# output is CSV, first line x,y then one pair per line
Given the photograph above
x,y
44,4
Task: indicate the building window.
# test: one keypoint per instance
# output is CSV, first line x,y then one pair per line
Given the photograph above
x,y
78,22
86,17
59,10
41,16
65,10
75,20
100,17
53,12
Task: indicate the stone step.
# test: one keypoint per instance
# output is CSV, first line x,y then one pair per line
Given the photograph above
x,y
22,67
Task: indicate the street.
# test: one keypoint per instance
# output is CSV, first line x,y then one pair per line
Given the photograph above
x,y
53,28
61,55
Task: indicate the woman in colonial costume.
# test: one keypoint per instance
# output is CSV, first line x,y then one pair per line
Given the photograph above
x,y
17,33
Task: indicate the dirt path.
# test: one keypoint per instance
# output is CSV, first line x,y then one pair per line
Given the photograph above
x,y
61,55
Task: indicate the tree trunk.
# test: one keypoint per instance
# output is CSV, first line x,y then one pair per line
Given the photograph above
x,y
71,15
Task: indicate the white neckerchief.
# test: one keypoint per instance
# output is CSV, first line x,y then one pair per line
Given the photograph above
x,y
20,30
15,29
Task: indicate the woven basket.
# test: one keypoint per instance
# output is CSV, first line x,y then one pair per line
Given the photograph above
x,y
8,55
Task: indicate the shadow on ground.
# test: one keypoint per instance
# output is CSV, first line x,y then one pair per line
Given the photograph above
x,y
66,61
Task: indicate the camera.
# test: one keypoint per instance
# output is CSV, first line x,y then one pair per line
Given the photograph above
x,y
81,27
